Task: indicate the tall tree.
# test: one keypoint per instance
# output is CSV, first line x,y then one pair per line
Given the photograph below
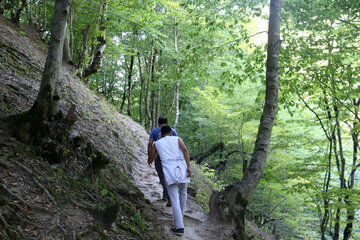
x,y
97,52
130,73
33,122
237,196
177,84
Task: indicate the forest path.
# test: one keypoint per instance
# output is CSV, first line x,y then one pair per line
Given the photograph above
x,y
197,223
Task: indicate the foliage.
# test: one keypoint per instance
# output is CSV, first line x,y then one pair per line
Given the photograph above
x,y
219,64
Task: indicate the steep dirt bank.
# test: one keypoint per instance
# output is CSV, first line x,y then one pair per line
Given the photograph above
x,y
39,200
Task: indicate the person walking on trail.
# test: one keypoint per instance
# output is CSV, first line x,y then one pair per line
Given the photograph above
x,y
176,167
154,136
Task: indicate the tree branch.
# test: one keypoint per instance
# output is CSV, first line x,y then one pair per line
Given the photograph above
x,y
238,39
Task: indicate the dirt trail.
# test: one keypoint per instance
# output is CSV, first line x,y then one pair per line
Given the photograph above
x,y
197,223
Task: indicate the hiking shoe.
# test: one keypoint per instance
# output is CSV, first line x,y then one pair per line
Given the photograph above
x,y
177,231
168,204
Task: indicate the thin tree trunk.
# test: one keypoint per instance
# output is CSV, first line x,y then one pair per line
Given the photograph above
x,y
350,212
158,100
327,178
45,16
2,7
177,85
66,49
337,223
71,33
237,196
84,52
16,18
124,90
95,62
350,216
158,95
67,55
177,106
103,87
28,12
141,91
129,84
35,10
147,98
153,107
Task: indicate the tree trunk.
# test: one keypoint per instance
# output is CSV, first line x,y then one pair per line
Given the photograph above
x,y
95,62
84,52
337,223
237,196
141,91
66,49
201,157
71,44
177,85
177,109
153,108
124,93
33,123
28,12
327,178
129,84
16,18
350,216
350,212
45,16
67,55
2,7
147,99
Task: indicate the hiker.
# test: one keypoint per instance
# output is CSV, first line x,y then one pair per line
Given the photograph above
x,y
176,167
154,136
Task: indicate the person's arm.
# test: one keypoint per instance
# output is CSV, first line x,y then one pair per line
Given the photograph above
x,y
174,133
186,156
152,154
150,144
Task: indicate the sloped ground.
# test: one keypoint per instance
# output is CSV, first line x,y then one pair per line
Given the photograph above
x,y
43,201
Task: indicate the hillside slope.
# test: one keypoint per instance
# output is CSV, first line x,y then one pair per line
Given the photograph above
x,y
57,201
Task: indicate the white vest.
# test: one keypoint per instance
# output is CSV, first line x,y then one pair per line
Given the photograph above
x,y
172,160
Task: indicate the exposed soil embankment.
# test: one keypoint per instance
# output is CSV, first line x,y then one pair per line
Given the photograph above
x,y
57,201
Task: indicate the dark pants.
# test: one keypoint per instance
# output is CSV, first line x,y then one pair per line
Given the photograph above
x,y
161,175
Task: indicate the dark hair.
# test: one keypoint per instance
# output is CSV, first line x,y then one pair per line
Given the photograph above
x,y
165,130
163,120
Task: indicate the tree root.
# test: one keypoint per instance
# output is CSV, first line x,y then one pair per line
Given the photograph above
x,y
14,195
57,224
3,221
36,181
3,164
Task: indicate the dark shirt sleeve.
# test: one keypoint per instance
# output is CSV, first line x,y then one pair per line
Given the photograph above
x,y
152,134
174,133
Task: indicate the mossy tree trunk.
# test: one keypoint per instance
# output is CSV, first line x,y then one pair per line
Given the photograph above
x,y
95,63
34,122
236,197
